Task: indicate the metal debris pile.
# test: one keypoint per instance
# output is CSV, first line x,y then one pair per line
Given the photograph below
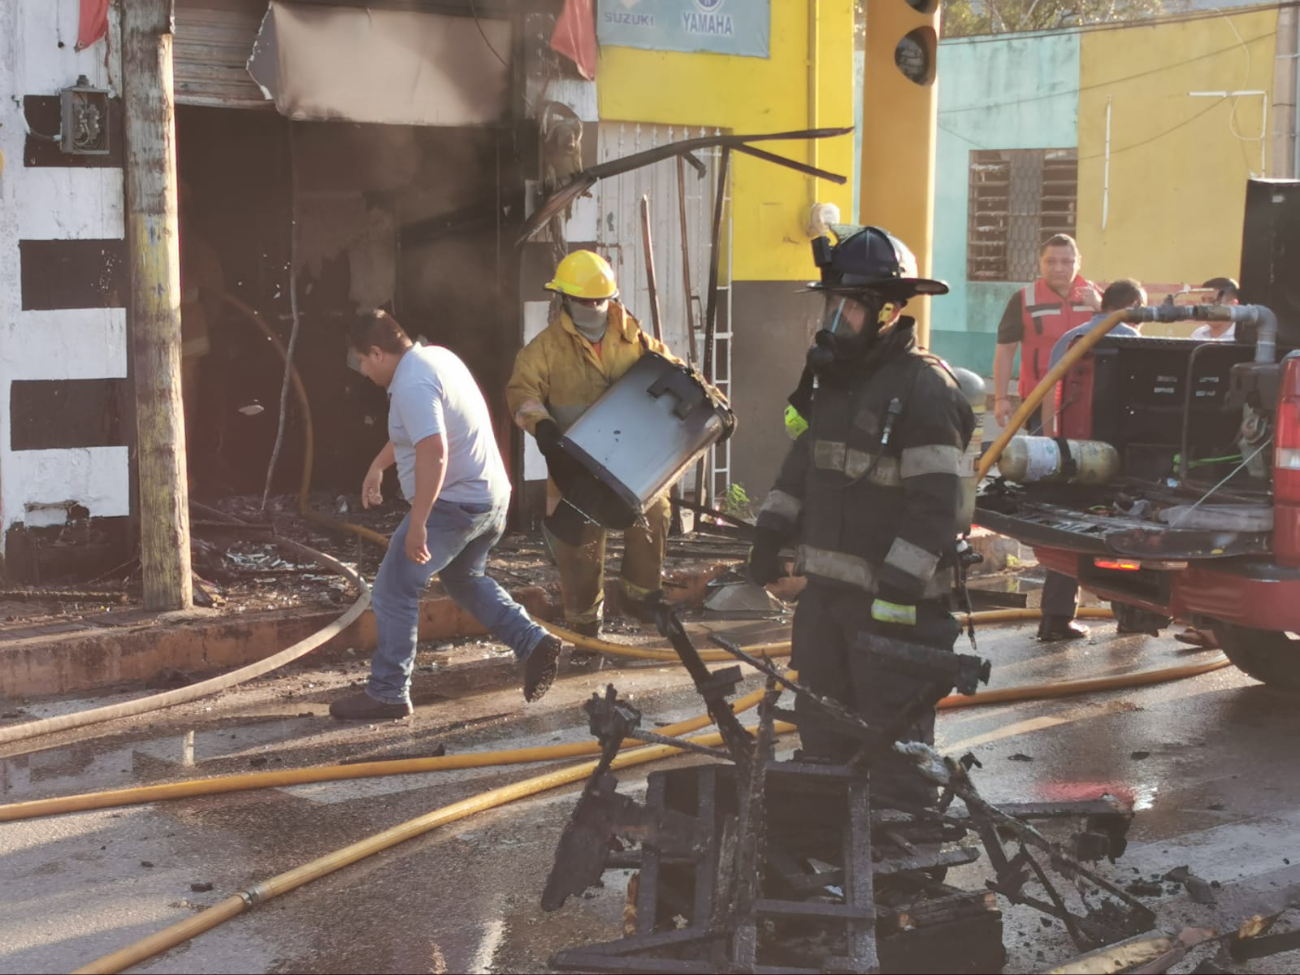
x,y
748,864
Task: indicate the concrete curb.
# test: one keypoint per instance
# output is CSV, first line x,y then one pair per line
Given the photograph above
x,y
60,664
195,645
64,663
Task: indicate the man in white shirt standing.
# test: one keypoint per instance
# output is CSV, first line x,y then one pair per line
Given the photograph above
x,y
440,436
1226,292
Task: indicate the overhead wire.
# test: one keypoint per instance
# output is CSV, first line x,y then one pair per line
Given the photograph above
x,y
1100,28
473,8
1113,152
1241,43
1236,101
1109,82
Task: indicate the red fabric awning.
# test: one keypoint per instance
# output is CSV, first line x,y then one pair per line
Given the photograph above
x,y
575,36
94,22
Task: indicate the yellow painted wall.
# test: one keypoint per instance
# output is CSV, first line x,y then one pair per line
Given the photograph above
x,y
753,95
1178,164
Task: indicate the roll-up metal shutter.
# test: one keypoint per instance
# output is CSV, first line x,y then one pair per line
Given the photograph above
x,y
210,55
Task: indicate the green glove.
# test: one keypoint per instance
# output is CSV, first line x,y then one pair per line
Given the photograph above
x,y
795,425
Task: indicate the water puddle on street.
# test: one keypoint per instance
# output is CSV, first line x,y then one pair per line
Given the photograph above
x,y
94,765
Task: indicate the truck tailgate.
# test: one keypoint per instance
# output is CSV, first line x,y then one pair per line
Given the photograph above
x,y
1041,523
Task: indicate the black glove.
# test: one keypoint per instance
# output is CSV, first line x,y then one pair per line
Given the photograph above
x,y
566,523
765,558
547,434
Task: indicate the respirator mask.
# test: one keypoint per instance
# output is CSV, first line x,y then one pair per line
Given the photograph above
x,y
849,328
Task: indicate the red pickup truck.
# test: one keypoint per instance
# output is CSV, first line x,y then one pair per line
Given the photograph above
x,y
1202,522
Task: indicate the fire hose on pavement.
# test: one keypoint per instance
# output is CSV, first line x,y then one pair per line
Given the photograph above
x,y
114,798
258,893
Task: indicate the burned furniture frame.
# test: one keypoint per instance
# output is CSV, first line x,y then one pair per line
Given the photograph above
x,y
755,865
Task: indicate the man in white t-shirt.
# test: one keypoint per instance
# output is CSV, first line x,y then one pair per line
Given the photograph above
x,y
440,437
1226,292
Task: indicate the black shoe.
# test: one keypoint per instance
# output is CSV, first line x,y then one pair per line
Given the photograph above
x,y
363,707
645,609
540,668
1054,628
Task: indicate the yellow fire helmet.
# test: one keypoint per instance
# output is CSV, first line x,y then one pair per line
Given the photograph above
x,y
584,274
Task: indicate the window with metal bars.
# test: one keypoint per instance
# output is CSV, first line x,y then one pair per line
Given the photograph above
x,y
1018,199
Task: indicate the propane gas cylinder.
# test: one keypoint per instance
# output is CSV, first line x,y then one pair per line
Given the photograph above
x,y
1031,460
972,387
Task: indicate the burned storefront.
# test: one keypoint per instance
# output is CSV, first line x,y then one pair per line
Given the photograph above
x,y
370,155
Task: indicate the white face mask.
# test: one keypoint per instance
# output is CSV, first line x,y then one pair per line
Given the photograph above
x,y
589,321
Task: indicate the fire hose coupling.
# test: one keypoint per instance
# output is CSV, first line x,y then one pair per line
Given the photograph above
x,y
252,896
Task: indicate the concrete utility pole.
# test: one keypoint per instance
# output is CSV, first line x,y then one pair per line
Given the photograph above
x,y
1285,162
155,310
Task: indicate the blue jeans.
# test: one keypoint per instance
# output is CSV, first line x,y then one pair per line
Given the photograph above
x,y
460,536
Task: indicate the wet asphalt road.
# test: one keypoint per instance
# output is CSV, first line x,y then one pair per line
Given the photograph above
x,y
1210,762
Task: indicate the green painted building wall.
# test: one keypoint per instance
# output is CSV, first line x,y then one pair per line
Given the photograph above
x,y
994,93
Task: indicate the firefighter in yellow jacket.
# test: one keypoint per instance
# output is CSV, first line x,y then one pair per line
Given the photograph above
x,y
590,344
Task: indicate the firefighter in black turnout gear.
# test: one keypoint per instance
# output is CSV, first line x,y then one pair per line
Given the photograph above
x,y
870,493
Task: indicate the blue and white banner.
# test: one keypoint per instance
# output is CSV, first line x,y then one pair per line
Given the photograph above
x,y
740,27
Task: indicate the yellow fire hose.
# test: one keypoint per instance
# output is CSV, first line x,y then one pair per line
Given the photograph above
x,y
783,649
333,773
114,798
184,695
322,866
